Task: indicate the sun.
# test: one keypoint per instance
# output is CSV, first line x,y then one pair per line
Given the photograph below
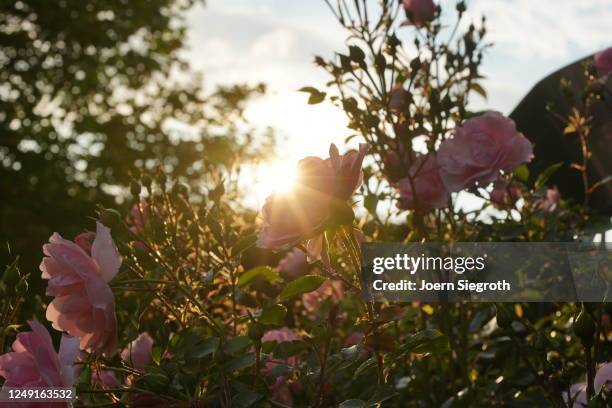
x,y
276,176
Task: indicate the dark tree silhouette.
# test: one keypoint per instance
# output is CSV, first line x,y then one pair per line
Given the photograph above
x,y
90,94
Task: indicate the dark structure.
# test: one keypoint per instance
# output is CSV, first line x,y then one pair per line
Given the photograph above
x,y
552,146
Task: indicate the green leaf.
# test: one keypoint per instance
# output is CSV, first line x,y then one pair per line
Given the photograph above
x,y
274,315
353,403
303,284
240,362
426,341
193,343
367,365
237,344
288,349
476,87
259,272
309,89
243,244
356,53
382,394
546,174
522,173
246,399
370,202
316,96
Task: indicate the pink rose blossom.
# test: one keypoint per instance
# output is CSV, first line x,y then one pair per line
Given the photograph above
x,y
482,147
330,289
300,215
429,189
84,305
603,378
105,379
85,240
138,352
549,202
294,264
603,61
419,11
34,362
347,170
504,195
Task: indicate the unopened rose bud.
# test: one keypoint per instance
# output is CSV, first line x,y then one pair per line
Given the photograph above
x,y
147,181
505,316
110,217
22,286
584,328
135,188
10,277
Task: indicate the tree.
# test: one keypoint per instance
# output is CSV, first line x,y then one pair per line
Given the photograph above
x,y
91,93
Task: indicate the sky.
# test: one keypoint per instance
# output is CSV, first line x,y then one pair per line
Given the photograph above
x,y
274,41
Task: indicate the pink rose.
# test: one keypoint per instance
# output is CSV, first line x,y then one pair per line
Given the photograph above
x,y
84,305
138,352
603,378
330,289
85,240
347,170
105,379
34,362
419,11
549,202
603,61
482,147
300,215
294,264
504,195
429,190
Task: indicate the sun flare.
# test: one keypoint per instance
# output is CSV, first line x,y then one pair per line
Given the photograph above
x,y
275,176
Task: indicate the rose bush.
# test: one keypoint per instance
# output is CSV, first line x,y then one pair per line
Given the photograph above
x,y
198,300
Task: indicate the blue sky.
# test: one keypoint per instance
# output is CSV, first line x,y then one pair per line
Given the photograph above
x,y
274,41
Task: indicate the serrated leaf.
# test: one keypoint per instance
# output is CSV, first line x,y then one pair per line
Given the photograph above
x,y
369,364
259,272
370,202
356,53
274,314
303,284
288,349
546,174
353,403
316,98
243,244
426,341
246,399
236,344
476,87
381,394
309,89
522,173
240,362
